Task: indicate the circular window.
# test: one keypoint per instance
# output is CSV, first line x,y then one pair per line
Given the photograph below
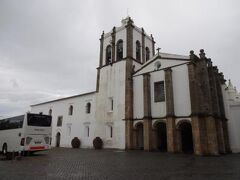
x,y
157,65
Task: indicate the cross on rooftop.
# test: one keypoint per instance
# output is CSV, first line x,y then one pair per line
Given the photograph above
x,y
158,49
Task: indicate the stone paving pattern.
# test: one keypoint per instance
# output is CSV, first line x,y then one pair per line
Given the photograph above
x,y
63,163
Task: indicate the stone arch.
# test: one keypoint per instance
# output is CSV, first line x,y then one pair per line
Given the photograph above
x,y
160,135
119,50
138,135
50,112
185,136
70,110
147,54
138,51
58,139
108,55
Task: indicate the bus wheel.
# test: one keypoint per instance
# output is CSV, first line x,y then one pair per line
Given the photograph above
x,y
7,154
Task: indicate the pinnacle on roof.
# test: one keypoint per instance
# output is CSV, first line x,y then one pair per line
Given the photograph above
x,y
126,20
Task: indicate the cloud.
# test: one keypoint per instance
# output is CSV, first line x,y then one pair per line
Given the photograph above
x,y
50,49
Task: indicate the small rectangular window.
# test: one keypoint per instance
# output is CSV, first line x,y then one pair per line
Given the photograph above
x,y
69,130
159,92
59,121
111,132
110,104
87,131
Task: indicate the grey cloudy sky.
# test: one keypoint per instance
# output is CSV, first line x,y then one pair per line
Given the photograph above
x,y
50,48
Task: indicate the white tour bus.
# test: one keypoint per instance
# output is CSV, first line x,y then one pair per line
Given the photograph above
x,y
25,133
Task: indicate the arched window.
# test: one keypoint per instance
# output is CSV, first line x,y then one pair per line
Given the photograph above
x,y
50,112
119,50
147,54
88,108
138,51
70,110
108,54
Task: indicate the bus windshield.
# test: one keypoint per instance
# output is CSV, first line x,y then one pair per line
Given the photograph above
x,y
39,120
12,123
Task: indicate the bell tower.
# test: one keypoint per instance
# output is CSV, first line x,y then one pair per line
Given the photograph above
x,y
121,50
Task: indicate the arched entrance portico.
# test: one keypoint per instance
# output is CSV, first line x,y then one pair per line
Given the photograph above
x,y
139,136
161,136
58,139
186,137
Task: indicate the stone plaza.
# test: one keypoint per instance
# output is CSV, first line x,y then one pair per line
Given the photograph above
x,y
65,163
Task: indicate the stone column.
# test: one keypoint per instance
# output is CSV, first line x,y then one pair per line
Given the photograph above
x,y
129,105
129,45
221,141
215,104
100,61
129,87
199,135
226,136
101,50
147,120
197,123
143,47
153,46
129,134
221,81
171,129
113,34
212,136
193,88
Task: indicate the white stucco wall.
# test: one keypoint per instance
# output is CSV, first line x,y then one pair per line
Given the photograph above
x,y
234,127
112,85
138,97
158,108
232,112
76,122
181,92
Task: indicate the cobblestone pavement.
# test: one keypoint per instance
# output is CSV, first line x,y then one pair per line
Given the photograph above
x,y
62,163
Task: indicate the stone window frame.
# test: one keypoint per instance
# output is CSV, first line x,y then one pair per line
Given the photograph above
x,y
138,51
109,131
110,104
119,50
59,121
50,112
108,54
70,110
147,50
159,91
88,108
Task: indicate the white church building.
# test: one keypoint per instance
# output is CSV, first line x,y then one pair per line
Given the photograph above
x,y
149,100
